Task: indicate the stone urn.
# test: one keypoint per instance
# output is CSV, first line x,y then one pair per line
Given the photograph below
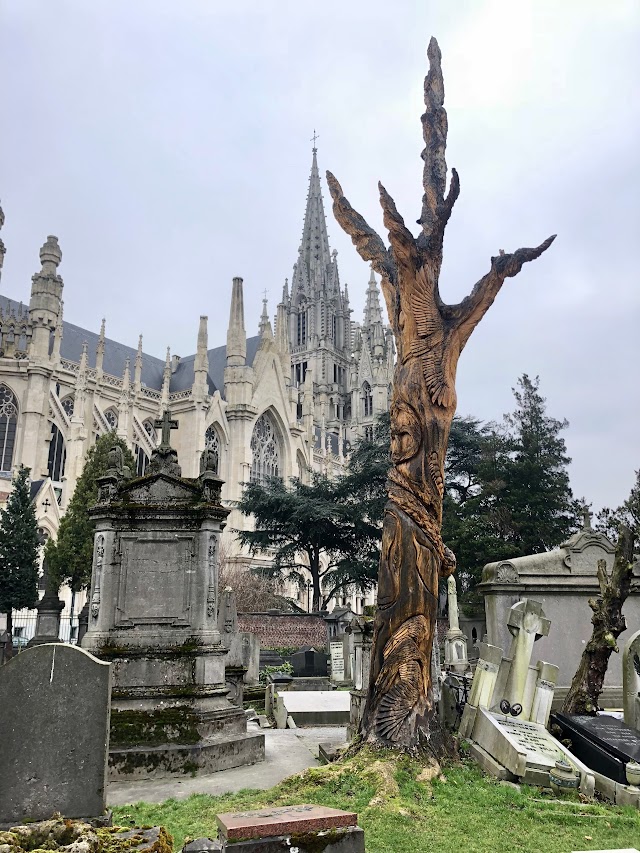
x,y
564,780
633,773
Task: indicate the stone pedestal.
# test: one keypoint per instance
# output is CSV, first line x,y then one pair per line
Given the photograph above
x,y
154,616
49,609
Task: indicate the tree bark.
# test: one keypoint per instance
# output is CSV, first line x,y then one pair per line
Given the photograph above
x,y
608,623
429,336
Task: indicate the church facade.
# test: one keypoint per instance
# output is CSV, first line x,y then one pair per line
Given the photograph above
x,y
287,401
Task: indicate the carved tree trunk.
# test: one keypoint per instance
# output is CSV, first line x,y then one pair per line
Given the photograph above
x,y
429,338
608,623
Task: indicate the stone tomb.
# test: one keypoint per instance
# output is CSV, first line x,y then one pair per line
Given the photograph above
x,y
154,613
304,828
317,708
54,734
309,664
603,743
562,581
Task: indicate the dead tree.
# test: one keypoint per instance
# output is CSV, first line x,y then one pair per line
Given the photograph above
x,y
430,336
608,623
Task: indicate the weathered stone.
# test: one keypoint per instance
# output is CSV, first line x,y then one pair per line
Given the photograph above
x,y
202,845
318,708
631,681
154,613
54,733
280,821
347,840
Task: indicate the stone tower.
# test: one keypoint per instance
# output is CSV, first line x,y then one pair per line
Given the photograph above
x,y
318,318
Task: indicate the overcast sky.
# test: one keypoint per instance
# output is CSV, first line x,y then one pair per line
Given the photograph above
x,y
167,145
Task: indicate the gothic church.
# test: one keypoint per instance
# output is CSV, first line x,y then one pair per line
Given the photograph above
x,y
287,401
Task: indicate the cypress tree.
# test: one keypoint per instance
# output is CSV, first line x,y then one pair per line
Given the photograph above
x,y
70,557
19,544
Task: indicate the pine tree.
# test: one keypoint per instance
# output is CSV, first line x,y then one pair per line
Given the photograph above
x,y
19,545
609,521
537,495
70,557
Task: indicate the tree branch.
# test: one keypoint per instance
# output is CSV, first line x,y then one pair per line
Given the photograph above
x,y
368,244
436,210
403,244
468,313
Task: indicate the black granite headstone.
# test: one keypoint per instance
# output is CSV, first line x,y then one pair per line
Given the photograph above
x,y
309,664
605,744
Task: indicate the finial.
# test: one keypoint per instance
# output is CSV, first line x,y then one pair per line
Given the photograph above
x,y
1,216
140,345
103,327
313,139
587,515
50,252
85,347
167,362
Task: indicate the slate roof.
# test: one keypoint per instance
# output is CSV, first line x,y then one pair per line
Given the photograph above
x,y
115,355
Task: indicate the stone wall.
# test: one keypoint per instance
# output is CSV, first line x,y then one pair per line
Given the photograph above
x,y
285,630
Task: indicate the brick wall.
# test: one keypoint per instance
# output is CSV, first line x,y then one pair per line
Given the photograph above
x,y
290,630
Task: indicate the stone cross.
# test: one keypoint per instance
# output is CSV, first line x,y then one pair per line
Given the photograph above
x,y
452,598
166,425
527,623
587,515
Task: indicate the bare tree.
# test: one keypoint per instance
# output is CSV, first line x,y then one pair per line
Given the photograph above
x,y
430,336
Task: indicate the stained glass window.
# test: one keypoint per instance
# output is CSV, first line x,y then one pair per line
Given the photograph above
x,y
8,422
67,405
57,454
265,449
367,400
111,417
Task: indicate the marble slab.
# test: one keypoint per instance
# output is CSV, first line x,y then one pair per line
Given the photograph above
x,y
281,821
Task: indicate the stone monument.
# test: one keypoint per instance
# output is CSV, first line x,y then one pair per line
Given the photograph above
x,y
563,581
508,710
54,734
154,614
631,681
49,609
455,642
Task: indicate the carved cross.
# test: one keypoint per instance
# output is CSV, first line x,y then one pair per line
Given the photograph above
x,y
314,137
587,515
166,424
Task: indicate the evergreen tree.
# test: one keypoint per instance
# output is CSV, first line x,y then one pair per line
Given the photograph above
x,y
19,544
315,529
628,513
70,557
537,496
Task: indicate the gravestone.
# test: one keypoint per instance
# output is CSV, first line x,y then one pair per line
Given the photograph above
x,y
336,650
455,642
509,705
154,613
631,681
305,828
309,664
54,734
603,743
362,633
243,649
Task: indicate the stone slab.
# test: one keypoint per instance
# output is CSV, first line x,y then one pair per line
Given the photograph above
x,y
604,743
348,840
207,756
54,733
236,826
489,764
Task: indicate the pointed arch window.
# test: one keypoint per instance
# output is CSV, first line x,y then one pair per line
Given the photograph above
x,y
8,424
367,400
142,460
57,455
212,442
301,338
265,450
150,430
111,417
67,404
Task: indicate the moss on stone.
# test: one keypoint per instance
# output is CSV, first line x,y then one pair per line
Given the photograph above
x,y
176,725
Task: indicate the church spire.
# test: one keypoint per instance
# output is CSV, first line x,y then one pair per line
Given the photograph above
x,y
100,349
137,372
264,328
166,382
201,364
314,259
372,309
2,248
236,335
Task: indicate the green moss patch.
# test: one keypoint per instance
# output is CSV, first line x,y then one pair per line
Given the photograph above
x,y
176,725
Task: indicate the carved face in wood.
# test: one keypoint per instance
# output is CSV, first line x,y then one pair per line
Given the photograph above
x,y
406,435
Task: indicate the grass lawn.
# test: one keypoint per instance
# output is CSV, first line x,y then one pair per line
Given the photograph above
x,y
461,811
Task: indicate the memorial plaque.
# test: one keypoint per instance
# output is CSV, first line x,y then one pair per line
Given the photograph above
x,y
535,741
282,821
337,661
605,744
156,580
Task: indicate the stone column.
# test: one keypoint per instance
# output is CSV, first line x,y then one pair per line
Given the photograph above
x,y
49,609
455,643
543,696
